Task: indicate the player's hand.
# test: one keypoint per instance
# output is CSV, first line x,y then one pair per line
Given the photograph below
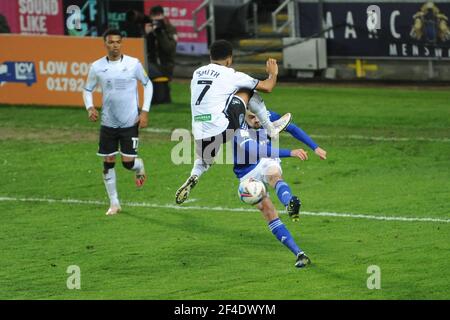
x,y
143,120
272,67
321,153
93,114
299,153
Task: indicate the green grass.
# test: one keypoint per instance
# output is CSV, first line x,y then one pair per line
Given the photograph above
x,y
162,253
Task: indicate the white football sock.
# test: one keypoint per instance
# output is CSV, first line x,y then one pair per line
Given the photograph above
x,y
138,164
258,107
199,168
110,183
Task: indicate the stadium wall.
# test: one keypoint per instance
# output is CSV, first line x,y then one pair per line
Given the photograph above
x,y
52,70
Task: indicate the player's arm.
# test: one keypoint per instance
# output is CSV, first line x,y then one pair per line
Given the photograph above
x,y
253,149
148,94
302,136
268,84
88,97
141,75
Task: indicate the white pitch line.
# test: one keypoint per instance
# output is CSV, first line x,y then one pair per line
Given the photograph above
x,y
156,130
349,137
175,207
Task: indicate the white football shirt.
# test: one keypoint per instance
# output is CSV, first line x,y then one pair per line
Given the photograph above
x,y
118,80
211,89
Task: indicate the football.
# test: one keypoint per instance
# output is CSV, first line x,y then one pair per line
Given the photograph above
x,y
251,191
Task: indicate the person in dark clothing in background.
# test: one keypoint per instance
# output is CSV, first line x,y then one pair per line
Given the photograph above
x,y
161,42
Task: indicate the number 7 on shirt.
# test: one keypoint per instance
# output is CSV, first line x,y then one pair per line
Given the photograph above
x,y
208,84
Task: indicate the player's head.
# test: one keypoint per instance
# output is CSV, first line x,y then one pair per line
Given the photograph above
x,y
252,120
221,52
113,42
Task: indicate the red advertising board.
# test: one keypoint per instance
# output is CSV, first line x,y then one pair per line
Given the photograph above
x,y
179,13
34,16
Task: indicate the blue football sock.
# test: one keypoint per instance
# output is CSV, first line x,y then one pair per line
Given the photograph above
x,y
283,192
283,235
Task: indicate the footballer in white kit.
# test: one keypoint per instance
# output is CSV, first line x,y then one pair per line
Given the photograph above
x,y
117,75
212,88
217,112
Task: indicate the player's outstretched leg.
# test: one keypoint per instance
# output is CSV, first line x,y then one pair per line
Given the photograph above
x,y
109,178
280,231
291,202
136,165
284,193
198,169
279,125
258,107
200,166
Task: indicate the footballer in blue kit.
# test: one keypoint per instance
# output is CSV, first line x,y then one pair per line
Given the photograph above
x,y
256,157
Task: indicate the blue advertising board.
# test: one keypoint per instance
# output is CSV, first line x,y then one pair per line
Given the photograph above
x,y
18,71
407,30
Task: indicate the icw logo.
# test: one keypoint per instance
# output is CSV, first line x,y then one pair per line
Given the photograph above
x,y
18,71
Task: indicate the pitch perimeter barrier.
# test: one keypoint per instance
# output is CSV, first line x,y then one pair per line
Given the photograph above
x,y
52,70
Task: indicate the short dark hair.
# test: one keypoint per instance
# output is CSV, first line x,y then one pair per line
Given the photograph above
x,y
111,32
220,50
156,10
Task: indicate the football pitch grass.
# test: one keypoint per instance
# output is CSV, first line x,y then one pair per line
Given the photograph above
x,y
388,156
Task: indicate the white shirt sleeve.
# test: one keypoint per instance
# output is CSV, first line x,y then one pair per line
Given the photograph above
x,y
148,95
91,83
142,76
244,81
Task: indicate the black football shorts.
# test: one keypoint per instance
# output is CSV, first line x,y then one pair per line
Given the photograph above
x,y
206,149
115,140
235,113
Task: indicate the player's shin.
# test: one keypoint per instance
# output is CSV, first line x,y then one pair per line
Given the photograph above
x,y
283,235
109,178
283,192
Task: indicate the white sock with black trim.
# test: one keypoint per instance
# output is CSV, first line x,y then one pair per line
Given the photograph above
x,y
110,183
